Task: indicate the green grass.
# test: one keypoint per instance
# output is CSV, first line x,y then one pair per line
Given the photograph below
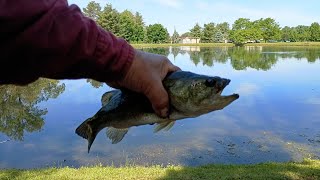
x,y
308,169
227,44
285,44
177,45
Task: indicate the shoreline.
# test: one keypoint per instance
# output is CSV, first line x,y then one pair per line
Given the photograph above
x,y
307,44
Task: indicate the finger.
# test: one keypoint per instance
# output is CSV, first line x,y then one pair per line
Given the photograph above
x,y
171,67
159,99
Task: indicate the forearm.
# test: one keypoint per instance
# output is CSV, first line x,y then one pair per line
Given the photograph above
x,y
48,38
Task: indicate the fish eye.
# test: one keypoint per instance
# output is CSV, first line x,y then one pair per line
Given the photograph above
x,y
210,82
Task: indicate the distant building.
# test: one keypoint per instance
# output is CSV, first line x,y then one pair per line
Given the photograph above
x,y
190,48
190,40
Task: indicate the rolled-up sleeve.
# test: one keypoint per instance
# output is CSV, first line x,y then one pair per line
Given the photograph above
x,y
49,38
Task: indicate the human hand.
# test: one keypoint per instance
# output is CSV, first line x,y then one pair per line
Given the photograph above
x,y
145,76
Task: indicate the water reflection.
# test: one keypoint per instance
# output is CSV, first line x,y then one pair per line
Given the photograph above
x,y
241,58
163,51
95,83
260,58
19,110
276,119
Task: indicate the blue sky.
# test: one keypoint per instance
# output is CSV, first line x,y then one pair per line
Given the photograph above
x,y
183,14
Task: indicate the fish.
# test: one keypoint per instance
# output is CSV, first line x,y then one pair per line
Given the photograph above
x,y
190,95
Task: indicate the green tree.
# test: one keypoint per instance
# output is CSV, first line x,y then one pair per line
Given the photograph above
x,y
241,24
138,19
253,34
156,33
109,19
315,32
218,37
145,35
92,10
303,33
175,37
244,30
293,34
139,29
270,29
196,31
131,27
208,34
238,36
286,33
18,106
224,28
127,26
139,33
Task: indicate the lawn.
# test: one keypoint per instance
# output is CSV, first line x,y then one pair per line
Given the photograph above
x,y
308,169
227,44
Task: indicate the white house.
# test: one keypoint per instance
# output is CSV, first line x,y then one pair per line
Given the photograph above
x,y
190,40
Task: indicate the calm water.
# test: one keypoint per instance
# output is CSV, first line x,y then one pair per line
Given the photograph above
x,y
276,118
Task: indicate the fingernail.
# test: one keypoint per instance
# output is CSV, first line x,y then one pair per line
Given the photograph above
x,y
164,112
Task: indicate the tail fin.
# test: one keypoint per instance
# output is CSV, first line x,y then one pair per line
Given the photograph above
x,y
85,131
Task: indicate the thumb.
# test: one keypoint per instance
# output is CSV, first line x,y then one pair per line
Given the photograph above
x,y
159,99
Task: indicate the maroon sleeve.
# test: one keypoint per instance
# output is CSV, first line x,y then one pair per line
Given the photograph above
x,y
49,38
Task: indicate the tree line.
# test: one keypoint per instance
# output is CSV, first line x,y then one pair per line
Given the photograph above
x,y
126,24
132,28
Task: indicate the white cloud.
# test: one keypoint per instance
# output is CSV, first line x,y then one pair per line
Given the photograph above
x,y
170,3
313,101
246,89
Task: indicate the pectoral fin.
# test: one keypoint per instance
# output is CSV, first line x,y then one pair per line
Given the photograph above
x,y
165,126
116,135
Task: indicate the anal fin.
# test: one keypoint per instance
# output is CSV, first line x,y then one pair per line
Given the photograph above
x,y
115,134
165,126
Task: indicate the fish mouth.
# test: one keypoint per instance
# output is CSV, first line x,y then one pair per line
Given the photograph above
x,y
223,85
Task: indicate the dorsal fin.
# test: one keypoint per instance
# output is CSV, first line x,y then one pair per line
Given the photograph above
x,y
165,126
116,135
107,96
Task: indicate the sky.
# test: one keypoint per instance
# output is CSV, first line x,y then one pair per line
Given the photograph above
x,y
182,15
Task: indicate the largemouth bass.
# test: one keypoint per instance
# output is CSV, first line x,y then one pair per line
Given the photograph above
x,y
190,95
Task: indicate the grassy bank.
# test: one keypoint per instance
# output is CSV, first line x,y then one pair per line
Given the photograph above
x,y
285,44
309,169
177,45
227,44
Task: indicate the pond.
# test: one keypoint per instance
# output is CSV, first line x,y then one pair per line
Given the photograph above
x,y
276,118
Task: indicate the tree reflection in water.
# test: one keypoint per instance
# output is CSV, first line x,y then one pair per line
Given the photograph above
x,y
19,108
259,58
240,58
